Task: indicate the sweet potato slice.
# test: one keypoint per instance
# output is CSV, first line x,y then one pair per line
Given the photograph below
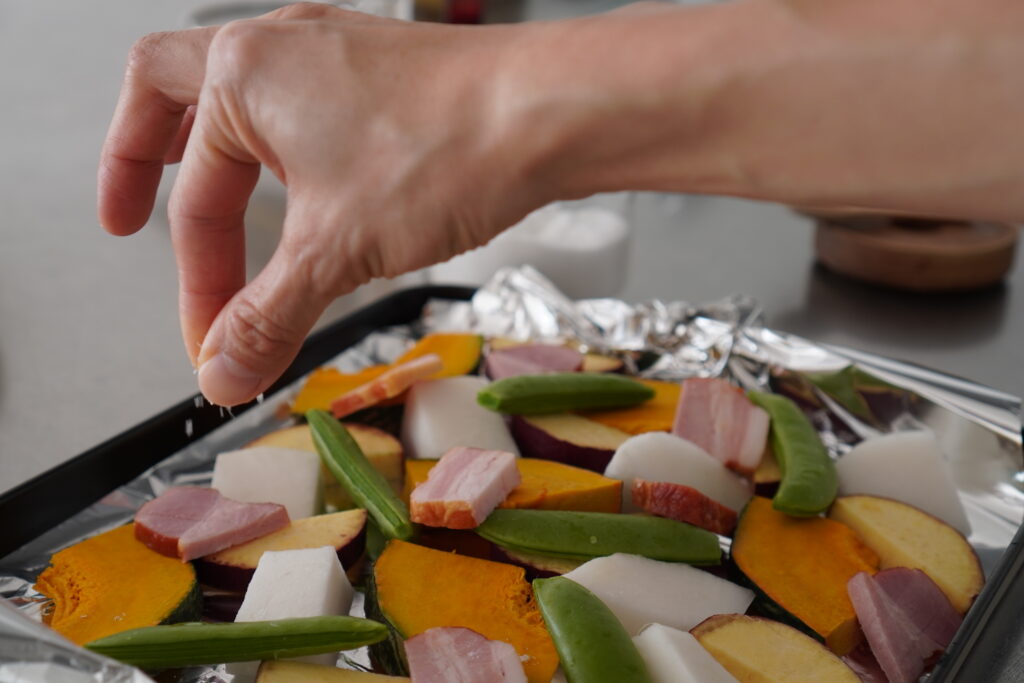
x,y
765,651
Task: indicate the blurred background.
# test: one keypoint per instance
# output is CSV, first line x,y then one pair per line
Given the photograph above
x,y
89,338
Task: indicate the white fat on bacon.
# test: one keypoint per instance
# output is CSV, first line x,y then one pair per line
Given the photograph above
x,y
716,416
464,487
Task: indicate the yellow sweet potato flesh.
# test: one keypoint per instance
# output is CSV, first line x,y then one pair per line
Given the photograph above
x,y
545,485
904,536
382,450
764,651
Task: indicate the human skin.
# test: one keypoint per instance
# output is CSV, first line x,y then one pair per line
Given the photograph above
x,y
402,144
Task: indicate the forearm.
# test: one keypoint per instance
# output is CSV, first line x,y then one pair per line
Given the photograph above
x,y
901,106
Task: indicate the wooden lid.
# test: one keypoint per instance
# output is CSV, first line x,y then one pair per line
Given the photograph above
x,y
916,254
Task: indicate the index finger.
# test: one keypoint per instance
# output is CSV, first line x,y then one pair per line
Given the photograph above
x,y
164,76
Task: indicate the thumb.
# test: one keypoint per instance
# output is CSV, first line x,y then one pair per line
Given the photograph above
x,y
260,331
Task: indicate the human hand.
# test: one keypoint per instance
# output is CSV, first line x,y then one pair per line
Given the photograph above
x,y
404,144
385,134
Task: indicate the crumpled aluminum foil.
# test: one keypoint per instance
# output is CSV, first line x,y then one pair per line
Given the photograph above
x,y
850,395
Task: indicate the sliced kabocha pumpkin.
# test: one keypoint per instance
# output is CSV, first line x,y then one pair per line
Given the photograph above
x,y
112,582
765,651
799,568
459,353
655,415
417,588
326,384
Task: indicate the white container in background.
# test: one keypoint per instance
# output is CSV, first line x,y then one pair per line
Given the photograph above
x,y
582,247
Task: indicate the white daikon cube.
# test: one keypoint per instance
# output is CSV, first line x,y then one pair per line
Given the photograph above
x,y
641,591
674,656
908,467
268,474
657,456
443,413
298,583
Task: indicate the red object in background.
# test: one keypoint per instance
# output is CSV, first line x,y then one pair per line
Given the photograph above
x,y
465,11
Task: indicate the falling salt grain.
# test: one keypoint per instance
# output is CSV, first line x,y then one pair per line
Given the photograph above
x,y
593,539
188,427
259,399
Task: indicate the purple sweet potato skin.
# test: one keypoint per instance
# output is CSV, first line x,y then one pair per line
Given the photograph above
x,y
235,578
537,443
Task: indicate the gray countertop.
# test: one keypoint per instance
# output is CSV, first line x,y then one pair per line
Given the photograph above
x,y
89,339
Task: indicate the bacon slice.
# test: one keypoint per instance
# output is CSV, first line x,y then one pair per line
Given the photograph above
x,y
162,521
461,655
900,647
683,504
864,664
387,385
716,416
922,601
464,487
190,521
532,359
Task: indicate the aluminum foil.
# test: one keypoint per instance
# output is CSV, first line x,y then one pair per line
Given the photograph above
x,y
849,395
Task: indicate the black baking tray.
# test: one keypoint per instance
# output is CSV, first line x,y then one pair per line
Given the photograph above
x,y
988,648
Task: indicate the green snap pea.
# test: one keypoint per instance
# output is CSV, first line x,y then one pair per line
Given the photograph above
x,y
585,535
559,392
368,488
809,482
592,644
194,643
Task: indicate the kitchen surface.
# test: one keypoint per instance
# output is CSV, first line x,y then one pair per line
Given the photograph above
x,y
89,338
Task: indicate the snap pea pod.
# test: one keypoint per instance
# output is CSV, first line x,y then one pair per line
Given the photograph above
x,y
558,392
809,482
193,643
368,488
585,535
592,645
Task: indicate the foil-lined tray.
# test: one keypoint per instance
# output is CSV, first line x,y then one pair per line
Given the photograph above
x,y
849,396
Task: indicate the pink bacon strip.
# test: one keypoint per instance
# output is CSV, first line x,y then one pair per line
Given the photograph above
x,y
716,416
461,655
190,521
532,359
922,600
387,385
899,646
464,487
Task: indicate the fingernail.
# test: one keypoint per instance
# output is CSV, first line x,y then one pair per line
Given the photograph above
x,y
226,382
